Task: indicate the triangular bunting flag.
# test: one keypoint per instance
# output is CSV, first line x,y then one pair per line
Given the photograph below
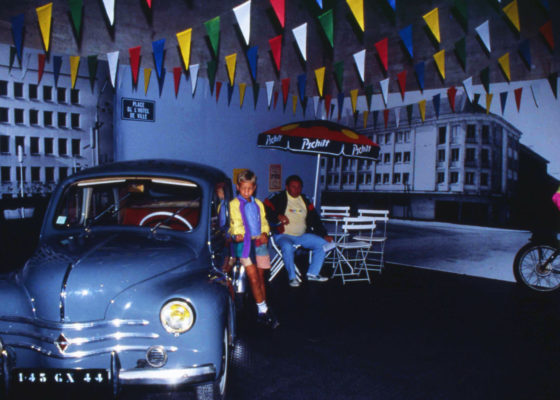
x,y
385,90
17,33
320,78
382,48
57,64
13,56
193,72
545,4
134,53
546,31
503,99
316,101
269,91
460,11
432,20
386,117
92,69
357,8
276,48
375,118
476,100
147,76
366,115
406,37
74,65
149,3
256,90
517,93
483,31
44,14
280,10
354,99
252,55
525,51
184,39
360,60
41,66
113,61
553,81
328,99
320,4
393,4
275,99
504,64
339,74
231,61
300,33
467,84
242,88
461,52
110,10
397,116
488,102
401,78
326,20
218,89
76,11
422,108
213,30
436,101
285,90
369,95
177,78
294,103
243,15
211,67
157,48
451,93
439,58
419,69
512,13
485,79
302,81
409,111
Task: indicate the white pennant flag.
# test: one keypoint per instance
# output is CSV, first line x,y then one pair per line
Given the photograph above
x,y
193,71
535,91
300,34
110,10
316,101
360,59
269,91
385,90
113,60
467,84
397,116
483,31
243,15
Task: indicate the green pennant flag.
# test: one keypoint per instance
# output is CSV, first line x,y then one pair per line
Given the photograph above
x,y
338,74
212,67
485,79
369,95
461,12
13,54
92,69
476,99
213,29
326,20
553,81
409,113
76,7
461,52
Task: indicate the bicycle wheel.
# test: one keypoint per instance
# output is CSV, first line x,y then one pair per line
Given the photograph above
x,y
532,270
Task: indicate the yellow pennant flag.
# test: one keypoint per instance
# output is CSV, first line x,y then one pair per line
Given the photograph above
x,y
422,108
147,75
230,64
432,19
354,99
512,12
242,87
320,77
357,8
504,64
366,115
184,39
439,58
488,102
294,103
74,64
44,14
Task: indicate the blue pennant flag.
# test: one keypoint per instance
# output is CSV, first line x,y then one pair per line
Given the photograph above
x,y
301,81
393,4
157,48
375,118
525,51
57,63
545,4
419,68
17,33
436,100
252,54
340,98
503,99
406,36
229,93
161,81
320,3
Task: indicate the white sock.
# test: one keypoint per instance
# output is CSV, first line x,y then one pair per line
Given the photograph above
x,y
263,308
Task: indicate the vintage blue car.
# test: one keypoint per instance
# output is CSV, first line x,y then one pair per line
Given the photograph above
x,y
124,287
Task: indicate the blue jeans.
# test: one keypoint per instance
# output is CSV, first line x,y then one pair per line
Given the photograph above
x,y
307,241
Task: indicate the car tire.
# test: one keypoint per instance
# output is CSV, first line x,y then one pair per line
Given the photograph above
x,y
217,390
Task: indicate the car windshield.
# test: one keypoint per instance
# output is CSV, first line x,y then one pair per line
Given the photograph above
x,y
155,202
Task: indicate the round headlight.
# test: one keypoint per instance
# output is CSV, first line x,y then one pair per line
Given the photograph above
x,y
177,316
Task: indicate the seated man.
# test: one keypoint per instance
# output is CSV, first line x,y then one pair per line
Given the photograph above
x,y
294,221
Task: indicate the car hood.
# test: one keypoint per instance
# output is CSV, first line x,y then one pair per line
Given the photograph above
x,y
75,279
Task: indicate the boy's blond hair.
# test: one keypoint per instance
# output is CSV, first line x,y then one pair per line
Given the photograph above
x,y
246,176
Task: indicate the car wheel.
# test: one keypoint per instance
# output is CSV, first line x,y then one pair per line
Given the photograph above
x,y
217,390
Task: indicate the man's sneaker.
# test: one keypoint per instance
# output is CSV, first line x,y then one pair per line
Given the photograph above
x,y
316,278
294,282
268,319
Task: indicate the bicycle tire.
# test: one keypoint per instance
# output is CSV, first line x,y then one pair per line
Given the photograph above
x,y
529,271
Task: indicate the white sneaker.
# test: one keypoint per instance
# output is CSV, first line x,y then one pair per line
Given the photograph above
x,y
317,278
294,282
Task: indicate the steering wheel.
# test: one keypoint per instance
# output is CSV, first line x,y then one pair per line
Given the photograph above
x,y
165,214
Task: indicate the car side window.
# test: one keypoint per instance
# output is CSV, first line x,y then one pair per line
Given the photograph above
x,y
219,225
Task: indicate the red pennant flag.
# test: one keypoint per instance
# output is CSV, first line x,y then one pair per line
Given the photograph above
x,y
177,78
276,48
382,50
386,117
149,2
280,10
275,98
546,31
401,78
451,92
285,89
518,97
41,59
134,53
328,99
218,88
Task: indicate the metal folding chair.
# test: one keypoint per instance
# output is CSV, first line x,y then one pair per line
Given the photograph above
x,y
277,261
332,217
375,256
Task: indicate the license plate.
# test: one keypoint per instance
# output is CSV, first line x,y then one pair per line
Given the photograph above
x,y
76,377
